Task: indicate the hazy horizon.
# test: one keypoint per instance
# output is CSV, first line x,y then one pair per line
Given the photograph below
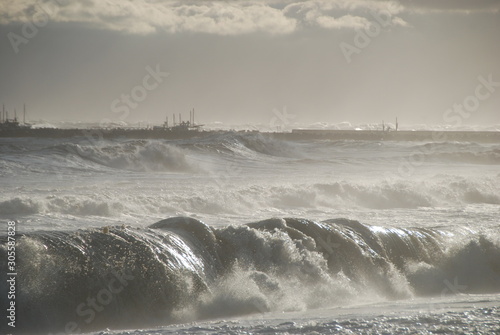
x,y
239,61
169,230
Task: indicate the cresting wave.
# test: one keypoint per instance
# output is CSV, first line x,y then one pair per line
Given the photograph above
x,y
249,145
385,194
186,155
137,155
181,269
134,155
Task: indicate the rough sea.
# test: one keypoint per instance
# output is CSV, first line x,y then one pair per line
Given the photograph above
x,y
241,233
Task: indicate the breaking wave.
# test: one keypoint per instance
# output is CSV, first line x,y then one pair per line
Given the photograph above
x,y
209,199
249,145
181,269
240,148
133,155
72,205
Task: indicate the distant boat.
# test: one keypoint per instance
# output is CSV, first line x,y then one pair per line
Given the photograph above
x,y
182,126
13,125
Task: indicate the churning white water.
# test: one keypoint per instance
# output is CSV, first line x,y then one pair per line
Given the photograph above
x,y
239,232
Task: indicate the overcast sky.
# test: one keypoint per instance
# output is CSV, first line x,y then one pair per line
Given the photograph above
x,y
237,61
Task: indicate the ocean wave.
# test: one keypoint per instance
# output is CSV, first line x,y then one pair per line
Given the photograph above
x,y
219,196
248,145
135,156
142,155
24,156
181,269
457,152
383,194
19,206
130,155
72,205
438,191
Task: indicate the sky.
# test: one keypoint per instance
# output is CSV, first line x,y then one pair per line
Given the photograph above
x,y
279,62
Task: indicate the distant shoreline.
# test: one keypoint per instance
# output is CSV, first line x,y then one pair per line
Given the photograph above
x,y
295,134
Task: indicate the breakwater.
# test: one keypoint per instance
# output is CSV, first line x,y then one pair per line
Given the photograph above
x,y
295,134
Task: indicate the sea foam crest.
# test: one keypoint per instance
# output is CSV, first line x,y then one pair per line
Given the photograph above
x,y
181,269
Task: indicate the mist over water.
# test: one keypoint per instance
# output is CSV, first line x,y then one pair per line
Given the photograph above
x,y
257,221
258,226
240,173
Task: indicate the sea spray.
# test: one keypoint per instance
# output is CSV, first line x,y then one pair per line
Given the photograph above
x,y
181,269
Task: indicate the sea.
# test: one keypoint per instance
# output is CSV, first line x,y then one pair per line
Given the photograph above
x,y
239,232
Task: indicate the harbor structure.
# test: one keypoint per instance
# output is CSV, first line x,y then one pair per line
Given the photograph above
x,y
190,129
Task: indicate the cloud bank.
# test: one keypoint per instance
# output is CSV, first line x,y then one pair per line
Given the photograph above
x,y
228,17
211,17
